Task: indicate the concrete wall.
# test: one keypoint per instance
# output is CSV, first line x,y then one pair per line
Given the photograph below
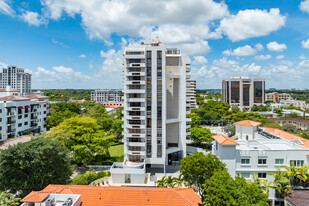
x,y
172,133
243,131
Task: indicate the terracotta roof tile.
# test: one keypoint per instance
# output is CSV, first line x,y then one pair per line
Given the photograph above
x,y
12,90
36,96
95,195
287,136
248,123
221,139
299,198
13,98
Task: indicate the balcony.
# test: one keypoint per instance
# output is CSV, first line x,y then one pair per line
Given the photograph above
x,y
135,126
136,144
132,91
136,74
136,65
11,122
136,108
9,114
136,117
143,153
135,82
135,99
134,135
11,130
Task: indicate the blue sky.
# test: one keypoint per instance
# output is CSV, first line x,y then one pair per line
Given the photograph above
x,y
79,44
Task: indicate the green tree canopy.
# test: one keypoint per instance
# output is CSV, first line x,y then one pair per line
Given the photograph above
x,y
33,165
197,168
83,136
199,135
222,189
7,199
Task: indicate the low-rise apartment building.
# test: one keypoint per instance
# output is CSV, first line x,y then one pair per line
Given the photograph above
x,y
295,103
22,115
106,96
302,124
277,97
260,151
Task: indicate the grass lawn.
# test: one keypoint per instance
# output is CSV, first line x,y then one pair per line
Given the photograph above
x,y
76,177
116,151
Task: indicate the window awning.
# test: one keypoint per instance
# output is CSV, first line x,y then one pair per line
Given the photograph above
x,y
27,106
20,107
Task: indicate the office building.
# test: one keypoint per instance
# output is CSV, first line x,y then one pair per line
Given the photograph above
x,y
243,92
191,92
277,97
260,151
154,111
17,79
22,115
84,195
107,96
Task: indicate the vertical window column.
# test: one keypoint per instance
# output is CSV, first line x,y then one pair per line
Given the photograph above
x,y
148,104
159,104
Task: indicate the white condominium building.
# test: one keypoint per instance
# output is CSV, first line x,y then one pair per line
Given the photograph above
x,y
296,103
191,92
22,115
16,78
243,92
106,96
154,110
260,151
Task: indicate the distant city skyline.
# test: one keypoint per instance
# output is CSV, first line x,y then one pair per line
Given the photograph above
x,y
79,44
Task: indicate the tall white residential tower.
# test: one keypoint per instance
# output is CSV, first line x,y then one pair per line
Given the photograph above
x,y
16,78
154,110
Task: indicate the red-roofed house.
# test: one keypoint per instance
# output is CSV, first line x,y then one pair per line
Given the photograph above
x,y
81,195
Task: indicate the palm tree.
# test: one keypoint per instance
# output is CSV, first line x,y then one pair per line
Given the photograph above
x,y
169,181
161,183
178,181
266,186
290,171
302,173
281,183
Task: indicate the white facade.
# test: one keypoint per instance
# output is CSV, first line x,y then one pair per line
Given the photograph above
x,y
295,103
16,78
243,92
106,96
8,91
21,115
191,92
261,154
154,109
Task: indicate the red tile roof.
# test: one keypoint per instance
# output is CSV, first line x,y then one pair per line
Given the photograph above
x,y
221,139
304,121
96,195
36,96
13,98
12,90
248,123
299,198
287,136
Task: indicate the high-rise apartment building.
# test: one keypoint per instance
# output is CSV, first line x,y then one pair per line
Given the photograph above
x,y
191,92
16,78
154,110
243,92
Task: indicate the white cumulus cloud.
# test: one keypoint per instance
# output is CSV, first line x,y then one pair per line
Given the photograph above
x,y
304,6
241,51
32,18
275,46
259,47
82,56
252,23
280,57
262,57
199,60
305,44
